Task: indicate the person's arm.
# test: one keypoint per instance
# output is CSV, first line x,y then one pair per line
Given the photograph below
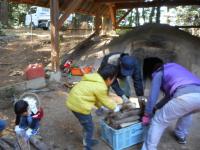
x,y
137,80
115,86
154,93
103,99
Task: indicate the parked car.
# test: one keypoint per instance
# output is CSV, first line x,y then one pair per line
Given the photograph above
x,y
39,17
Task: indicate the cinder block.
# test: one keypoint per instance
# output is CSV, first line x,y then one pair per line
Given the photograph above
x,y
36,83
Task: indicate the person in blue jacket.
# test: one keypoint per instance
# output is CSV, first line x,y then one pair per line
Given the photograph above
x,y
128,67
182,98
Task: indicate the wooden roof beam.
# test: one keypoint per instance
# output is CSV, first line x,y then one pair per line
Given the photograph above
x,y
117,1
157,4
118,21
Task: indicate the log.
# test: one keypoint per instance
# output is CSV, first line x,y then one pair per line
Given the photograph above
x,y
125,120
38,144
128,114
123,125
9,140
23,143
4,146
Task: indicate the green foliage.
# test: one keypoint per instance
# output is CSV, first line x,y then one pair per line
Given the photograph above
x,y
188,15
78,18
17,13
1,27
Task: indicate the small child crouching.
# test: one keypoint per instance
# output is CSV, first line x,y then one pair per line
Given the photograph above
x,y
27,120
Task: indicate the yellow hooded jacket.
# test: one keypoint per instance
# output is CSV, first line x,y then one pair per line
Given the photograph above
x,y
91,91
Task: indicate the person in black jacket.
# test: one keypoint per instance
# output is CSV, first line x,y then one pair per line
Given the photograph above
x,y
128,67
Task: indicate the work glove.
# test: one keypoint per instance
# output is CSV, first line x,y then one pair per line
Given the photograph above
x,y
146,119
39,114
101,110
117,108
142,98
125,98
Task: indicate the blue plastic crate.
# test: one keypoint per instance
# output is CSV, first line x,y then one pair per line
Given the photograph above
x,y
122,138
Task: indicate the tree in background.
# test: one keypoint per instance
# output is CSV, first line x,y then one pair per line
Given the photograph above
x,y
137,17
17,13
4,12
189,16
158,15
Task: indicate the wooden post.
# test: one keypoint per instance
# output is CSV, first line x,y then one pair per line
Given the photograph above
x,y
97,23
106,25
54,6
112,10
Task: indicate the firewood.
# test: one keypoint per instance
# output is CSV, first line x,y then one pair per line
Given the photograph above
x,y
128,114
123,125
38,144
4,146
125,120
9,140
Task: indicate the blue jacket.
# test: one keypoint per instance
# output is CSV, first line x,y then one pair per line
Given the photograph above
x,y
114,59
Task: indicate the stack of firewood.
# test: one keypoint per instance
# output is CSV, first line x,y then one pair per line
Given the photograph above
x,y
128,115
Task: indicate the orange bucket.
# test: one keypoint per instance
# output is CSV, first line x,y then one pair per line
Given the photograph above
x,y
81,71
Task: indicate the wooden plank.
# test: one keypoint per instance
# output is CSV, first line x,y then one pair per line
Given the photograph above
x,y
157,4
71,8
112,10
117,23
54,11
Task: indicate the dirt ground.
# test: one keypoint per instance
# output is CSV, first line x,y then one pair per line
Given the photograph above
x,y
59,128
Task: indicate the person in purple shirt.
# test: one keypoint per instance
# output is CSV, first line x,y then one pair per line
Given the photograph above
x,y
182,98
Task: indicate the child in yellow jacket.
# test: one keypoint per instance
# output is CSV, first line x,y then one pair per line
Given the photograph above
x,y
91,91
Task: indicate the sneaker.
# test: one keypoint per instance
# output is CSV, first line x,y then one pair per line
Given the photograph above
x,y
180,140
94,142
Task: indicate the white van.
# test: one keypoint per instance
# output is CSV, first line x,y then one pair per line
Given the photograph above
x,y
39,17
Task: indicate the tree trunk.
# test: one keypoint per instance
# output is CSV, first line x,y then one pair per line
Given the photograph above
x,y
131,19
168,17
4,12
143,14
158,15
137,18
151,15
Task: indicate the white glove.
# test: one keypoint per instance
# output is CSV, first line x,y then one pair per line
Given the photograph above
x,y
125,98
117,108
142,98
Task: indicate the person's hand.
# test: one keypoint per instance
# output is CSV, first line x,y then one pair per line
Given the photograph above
x,y
101,110
117,108
146,120
125,98
39,114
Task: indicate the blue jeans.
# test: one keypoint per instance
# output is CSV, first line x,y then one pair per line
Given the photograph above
x,y
28,122
88,128
125,85
2,125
